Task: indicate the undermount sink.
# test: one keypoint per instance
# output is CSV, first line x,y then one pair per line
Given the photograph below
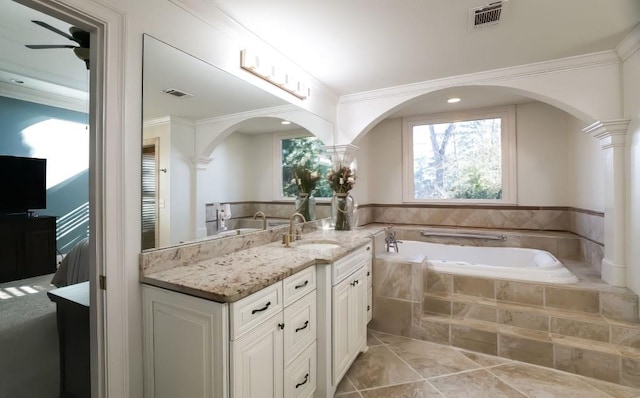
x,y
317,245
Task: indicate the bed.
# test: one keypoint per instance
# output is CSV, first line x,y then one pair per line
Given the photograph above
x,y
74,267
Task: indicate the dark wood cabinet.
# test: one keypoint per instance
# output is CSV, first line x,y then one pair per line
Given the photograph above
x,y
72,304
27,247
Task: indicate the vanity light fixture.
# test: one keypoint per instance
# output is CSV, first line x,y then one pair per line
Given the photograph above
x,y
278,76
453,100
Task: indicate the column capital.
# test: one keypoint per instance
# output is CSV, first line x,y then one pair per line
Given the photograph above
x,y
611,133
342,154
201,162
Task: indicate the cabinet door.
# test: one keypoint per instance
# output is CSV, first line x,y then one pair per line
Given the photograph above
x,y
185,345
358,311
257,361
340,326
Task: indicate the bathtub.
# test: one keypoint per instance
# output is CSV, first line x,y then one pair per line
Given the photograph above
x,y
512,263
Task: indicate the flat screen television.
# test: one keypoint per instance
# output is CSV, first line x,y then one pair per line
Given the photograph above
x,y
24,184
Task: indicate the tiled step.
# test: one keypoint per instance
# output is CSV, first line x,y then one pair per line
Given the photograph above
x,y
584,329
462,309
600,360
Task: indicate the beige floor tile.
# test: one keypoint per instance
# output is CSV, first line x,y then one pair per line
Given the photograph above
x,y
538,382
372,340
430,359
418,389
379,367
345,386
474,384
615,390
484,360
349,395
386,338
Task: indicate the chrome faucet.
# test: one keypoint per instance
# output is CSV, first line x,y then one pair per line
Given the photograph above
x,y
391,244
264,219
293,233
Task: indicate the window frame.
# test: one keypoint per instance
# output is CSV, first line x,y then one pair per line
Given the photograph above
x,y
508,152
277,164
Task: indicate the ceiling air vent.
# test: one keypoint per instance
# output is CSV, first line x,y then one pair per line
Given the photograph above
x,y
176,93
486,15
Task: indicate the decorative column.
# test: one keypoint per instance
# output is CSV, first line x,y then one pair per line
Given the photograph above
x,y
200,164
342,154
612,135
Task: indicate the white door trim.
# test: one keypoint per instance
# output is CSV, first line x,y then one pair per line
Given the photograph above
x,y
108,311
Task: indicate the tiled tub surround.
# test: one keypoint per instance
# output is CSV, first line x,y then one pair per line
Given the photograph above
x,y
586,226
588,328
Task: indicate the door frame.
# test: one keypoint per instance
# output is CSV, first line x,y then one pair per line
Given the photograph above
x,y
109,327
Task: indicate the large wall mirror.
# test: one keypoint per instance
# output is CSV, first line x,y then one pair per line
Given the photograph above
x,y
208,144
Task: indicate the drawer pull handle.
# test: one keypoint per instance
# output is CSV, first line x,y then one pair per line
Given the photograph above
x,y
368,248
368,273
306,379
306,323
261,309
368,308
354,282
302,285
281,326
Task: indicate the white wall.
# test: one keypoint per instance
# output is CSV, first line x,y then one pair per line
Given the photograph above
x,y
586,168
631,74
544,170
182,181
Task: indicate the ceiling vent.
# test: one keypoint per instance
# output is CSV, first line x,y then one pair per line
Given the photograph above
x,y
480,17
177,93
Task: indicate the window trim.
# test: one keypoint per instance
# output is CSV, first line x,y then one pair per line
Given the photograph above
x,y
508,143
278,137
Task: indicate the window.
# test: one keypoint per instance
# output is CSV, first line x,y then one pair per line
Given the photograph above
x,y
305,152
460,157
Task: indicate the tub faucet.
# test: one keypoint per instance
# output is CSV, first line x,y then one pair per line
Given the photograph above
x,y
391,244
293,233
264,219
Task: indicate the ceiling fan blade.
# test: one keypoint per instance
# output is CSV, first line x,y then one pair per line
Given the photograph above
x,y
42,46
51,28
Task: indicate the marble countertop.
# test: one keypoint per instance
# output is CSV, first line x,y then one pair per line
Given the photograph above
x,y
233,276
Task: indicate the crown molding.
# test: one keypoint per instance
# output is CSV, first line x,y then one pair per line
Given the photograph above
x,y
43,98
602,58
201,162
630,44
166,120
276,110
611,133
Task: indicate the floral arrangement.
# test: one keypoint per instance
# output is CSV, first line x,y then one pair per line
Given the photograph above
x,y
341,180
304,179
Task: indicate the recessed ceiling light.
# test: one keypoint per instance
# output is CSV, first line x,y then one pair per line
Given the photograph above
x,y
285,122
453,100
16,81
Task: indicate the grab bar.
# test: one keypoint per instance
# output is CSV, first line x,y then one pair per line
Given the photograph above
x,y
466,235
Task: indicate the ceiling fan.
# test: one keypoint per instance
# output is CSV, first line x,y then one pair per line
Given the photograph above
x,y
76,34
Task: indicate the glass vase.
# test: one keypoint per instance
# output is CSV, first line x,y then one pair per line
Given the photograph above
x,y
342,207
306,205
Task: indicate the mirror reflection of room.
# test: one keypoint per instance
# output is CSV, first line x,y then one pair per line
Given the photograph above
x,y
216,165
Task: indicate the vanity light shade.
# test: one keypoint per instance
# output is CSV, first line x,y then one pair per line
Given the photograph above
x,y
274,74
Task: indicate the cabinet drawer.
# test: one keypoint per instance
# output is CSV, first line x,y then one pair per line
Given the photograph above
x,y
300,375
299,326
298,285
249,312
346,265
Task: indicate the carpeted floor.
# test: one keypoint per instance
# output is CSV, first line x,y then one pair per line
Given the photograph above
x,y
29,362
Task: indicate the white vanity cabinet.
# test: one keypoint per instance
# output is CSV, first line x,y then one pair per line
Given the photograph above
x,y
275,357
185,345
261,346
342,314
